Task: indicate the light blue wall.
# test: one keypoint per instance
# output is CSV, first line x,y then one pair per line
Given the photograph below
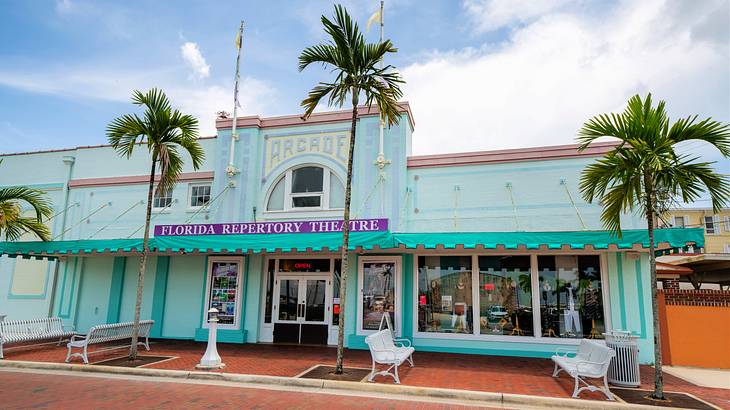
x,y
129,289
183,298
93,297
24,306
476,198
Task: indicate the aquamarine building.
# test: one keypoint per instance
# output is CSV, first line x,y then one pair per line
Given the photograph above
x,y
489,252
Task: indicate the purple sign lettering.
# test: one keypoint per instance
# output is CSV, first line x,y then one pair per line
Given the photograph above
x,y
251,228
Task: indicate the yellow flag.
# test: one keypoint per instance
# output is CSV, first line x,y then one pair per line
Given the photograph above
x,y
374,18
238,40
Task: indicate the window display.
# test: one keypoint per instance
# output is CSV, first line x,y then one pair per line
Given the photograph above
x,y
505,295
224,288
336,292
378,293
445,294
269,290
571,303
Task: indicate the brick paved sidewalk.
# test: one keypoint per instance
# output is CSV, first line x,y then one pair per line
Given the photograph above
x,y
455,371
32,390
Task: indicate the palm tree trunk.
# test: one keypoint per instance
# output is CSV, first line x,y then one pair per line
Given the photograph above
x,y
142,264
346,239
658,377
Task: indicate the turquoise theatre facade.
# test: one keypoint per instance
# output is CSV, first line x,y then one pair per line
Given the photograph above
x,y
490,252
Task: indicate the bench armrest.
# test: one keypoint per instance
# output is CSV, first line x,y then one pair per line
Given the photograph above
x,y
403,342
563,352
78,337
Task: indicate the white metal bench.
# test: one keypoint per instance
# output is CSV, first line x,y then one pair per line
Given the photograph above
x,y
591,361
30,330
108,333
384,350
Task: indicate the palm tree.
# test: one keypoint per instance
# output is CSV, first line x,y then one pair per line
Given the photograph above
x,y
12,222
164,131
644,172
355,64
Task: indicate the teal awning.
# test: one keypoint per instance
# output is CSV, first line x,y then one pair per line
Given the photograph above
x,y
552,240
331,241
83,246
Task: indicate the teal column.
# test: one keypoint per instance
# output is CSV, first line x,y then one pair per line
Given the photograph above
x,y
408,305
115,290
160,292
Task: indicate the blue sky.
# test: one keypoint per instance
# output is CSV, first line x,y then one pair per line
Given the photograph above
x,y
480,74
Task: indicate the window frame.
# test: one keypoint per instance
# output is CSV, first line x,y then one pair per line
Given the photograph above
x,y
155,198
398,260
287,177
534,276
190,194
239,291
715,224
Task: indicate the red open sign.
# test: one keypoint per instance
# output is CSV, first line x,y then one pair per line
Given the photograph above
x,y
489,286
422,300
302,265
336,309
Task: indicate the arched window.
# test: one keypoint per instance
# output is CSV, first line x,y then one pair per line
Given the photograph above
x,y
308,187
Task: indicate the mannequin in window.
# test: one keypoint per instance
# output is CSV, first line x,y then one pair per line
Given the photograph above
x,y
591,308
433,299
514,307
462,301
571,316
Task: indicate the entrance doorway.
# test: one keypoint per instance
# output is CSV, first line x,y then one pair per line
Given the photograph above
x,y
301,308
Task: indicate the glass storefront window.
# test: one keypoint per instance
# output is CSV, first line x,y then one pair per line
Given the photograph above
x,y
505,295
571,302
224,290
269,290
304,265
445,294
336,292
378,293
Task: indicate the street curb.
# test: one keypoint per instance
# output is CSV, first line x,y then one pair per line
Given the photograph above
x,y
487,398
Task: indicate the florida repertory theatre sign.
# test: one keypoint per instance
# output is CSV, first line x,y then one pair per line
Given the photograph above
x,y
251,228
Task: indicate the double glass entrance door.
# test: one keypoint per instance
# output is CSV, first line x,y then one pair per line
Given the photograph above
x,y
302,309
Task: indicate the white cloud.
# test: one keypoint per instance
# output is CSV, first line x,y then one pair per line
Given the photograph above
x,y
63,6
551,75
192,55
113,84
493,14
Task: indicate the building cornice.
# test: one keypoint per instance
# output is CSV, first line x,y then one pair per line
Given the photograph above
x,y
317,118
46,151
136,179
510,155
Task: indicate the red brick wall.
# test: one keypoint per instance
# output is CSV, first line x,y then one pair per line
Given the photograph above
x,y
701,297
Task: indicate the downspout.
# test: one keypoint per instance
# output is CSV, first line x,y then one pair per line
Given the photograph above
x,y
69,162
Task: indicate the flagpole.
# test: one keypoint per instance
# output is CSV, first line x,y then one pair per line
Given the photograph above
x,y
231,169
381,161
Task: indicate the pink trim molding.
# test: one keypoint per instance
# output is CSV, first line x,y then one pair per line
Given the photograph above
x,y
136,179
509,155
316,118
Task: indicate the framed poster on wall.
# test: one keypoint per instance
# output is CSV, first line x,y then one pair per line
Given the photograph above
x,y
224,290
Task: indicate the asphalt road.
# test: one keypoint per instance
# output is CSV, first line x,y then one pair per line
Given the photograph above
x,y
63,390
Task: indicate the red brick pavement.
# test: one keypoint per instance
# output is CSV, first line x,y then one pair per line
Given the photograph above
x,y
456,371
32,390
